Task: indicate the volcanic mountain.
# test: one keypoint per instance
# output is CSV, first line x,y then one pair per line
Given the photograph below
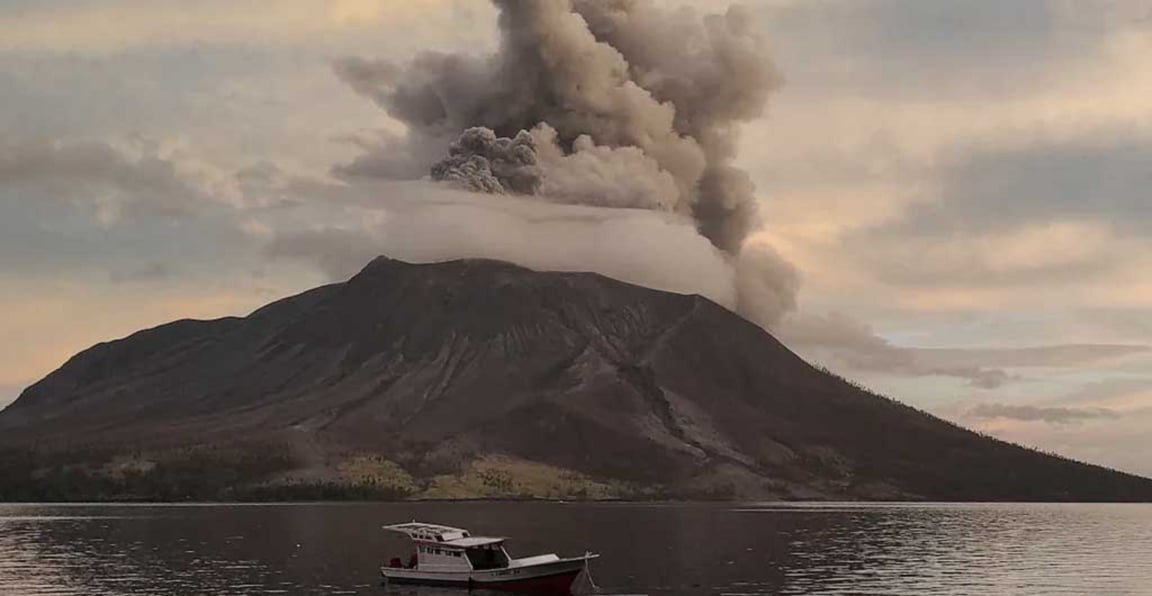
x,y
481,378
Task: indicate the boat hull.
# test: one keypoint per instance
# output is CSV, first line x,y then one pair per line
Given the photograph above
x,y
549,578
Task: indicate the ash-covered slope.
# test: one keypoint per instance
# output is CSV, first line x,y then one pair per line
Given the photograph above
x,y
483,378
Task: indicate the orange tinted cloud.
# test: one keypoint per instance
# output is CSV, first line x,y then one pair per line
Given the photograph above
x,y
121,24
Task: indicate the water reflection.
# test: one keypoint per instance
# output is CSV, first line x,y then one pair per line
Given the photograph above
x,y
647,549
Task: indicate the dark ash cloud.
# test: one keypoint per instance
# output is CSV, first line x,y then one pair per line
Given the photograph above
x,y
622,104
673,85
482,162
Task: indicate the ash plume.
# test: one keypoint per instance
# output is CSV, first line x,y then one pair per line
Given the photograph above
x,y
480,161
608,103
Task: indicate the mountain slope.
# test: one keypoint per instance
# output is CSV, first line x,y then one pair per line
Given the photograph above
x,y
481,378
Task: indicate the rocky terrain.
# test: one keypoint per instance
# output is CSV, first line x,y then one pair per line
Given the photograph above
x,y
479,378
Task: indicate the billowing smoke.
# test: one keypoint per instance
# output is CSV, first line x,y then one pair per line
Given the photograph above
x,y
481,162
607,103
534,163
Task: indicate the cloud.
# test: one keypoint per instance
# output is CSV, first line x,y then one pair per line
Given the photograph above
x,y
843,343
337,252
1095,178
422,222
118,212
1122,390
1051,415
152,271
1125,323
1036,252
597,104
99,177
222,105
1068,355
391,156
1105,422
947,49
890,105
669,87
840,343
127,24
1072,212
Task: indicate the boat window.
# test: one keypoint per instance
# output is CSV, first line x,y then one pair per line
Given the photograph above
x,y
487,558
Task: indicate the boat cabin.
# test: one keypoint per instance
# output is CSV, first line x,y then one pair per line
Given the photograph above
x,y
444,548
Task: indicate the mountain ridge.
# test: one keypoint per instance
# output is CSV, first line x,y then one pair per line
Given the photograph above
x,y
483,378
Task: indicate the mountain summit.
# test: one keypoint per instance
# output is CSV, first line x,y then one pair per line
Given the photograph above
x,y
480,378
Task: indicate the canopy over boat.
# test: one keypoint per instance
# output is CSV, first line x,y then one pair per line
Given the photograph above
x,y
445,535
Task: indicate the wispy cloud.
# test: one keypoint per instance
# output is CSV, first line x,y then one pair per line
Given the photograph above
x,y
152,271
98,176
841,342
1049,414
116,25
1065,355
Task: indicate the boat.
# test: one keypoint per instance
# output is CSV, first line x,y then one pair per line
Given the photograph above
x,y
447,556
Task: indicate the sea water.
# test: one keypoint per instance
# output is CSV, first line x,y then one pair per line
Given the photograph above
x,y
689,549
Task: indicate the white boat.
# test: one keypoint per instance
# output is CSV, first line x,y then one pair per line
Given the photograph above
x,y
447,556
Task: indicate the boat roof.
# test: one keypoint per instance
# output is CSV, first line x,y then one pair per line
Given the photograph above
x,y
472,541
446,535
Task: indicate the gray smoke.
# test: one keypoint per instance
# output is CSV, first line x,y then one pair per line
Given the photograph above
x,y
534,163
611,103
480,161
624,73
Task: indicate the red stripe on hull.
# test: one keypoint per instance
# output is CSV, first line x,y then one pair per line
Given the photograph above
x,y
559,584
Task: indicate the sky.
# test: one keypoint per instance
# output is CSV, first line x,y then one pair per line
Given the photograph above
x,y
961,185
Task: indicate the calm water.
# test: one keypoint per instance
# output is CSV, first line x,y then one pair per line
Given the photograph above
x,y
647,549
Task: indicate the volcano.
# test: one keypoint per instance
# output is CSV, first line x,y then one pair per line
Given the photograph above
x,y
478,378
